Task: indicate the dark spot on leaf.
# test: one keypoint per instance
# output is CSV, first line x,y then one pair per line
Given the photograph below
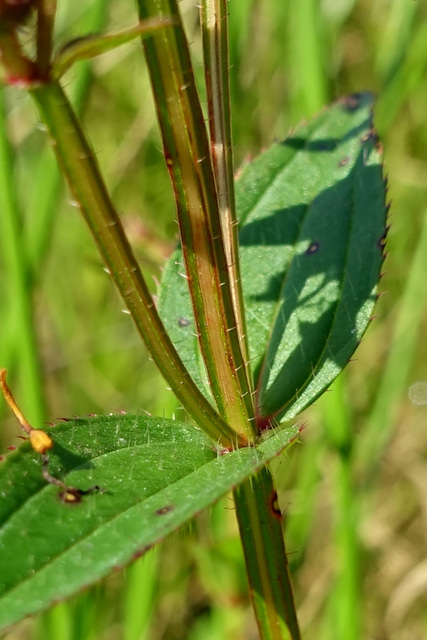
x,y
370,135
183,322
329,144
274,505
313,248
353,101
343,162
71,495
164,510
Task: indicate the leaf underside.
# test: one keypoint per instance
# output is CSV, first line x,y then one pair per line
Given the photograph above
x,y
312,227
155,475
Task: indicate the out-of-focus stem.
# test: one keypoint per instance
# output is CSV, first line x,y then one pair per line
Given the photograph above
x,y
45,22
19,286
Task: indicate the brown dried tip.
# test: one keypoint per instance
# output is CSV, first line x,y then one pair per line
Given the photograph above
x,y
40,441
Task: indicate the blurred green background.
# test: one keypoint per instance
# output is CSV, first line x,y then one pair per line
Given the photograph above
x,y
354,494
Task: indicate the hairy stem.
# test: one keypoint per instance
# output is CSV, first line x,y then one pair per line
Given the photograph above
x,y
188,158
214,20
81,170
260,526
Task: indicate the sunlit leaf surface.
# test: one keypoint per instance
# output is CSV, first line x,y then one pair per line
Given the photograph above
x,y
312,214
154,476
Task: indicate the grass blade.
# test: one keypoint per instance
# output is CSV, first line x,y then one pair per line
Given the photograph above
x,y
19,295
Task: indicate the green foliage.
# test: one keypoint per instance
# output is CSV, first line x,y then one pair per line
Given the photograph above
x,y
312,227
154,475
91,358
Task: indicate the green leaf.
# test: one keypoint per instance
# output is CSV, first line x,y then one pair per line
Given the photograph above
x,y
312,214
155,475
94,45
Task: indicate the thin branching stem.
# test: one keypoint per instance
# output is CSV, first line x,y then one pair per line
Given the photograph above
x,y
188,158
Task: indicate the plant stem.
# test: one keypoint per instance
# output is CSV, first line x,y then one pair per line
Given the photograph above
x,y
347,620
339,438
41,205
45,22
208,265
308,53
260,525
79,166
188,158
214,20
20,302
43,200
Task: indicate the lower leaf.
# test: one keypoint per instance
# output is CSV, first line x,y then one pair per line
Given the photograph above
x,y
154,475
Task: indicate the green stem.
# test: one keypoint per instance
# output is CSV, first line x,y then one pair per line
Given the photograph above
x,y
348,611
339,438
309,56
260,525
79,166
299,524
45,22
47,189
214,20
188,158
139,596
20,302
41,206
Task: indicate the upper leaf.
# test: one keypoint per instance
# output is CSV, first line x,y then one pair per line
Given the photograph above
x,y
155,475
312,214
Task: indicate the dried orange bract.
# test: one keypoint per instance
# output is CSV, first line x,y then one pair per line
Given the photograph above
x,y
40,441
